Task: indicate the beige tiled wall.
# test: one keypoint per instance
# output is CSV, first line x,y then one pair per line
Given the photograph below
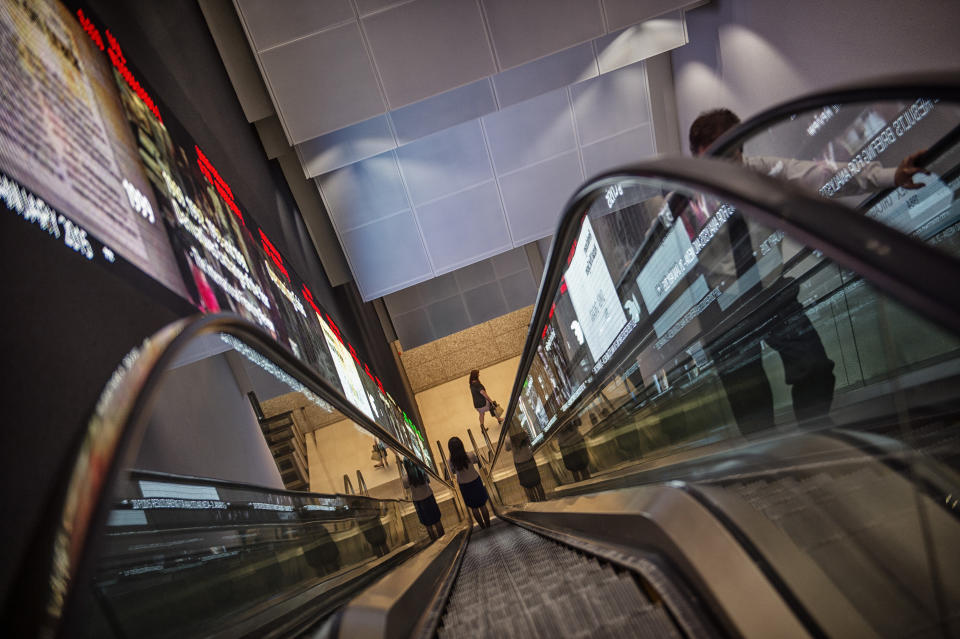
x,y
454,356
341,449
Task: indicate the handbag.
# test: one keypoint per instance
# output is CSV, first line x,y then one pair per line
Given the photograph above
x,y
496,409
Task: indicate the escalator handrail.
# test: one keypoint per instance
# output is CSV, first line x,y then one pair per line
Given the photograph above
x,y
225,483
942,85
899,265
118,423
362,485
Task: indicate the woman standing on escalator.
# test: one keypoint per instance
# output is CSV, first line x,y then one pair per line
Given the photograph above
x,y
471,486
481,401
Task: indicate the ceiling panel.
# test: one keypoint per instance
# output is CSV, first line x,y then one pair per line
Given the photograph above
x,y
624,148
519,289
485,302
530,131
386,255
346,146
403,301
269,26
369,6
465,227
611,103
442,111
510,262
534,196
475,275
322,83
445,162
641,41
363,192
525,31
438,288
448,316
413,328
546,74
623,13
424,47
422,173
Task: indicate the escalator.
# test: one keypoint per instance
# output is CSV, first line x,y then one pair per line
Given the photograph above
x,y
532,586
735,415
633,427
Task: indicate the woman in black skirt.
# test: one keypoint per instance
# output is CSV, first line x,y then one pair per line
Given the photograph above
x,y
471,486
423,500
481,401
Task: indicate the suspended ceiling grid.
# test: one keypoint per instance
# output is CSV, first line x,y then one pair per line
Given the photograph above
x,y
443,132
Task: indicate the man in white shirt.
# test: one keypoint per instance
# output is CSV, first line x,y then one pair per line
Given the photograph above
x,y
782,323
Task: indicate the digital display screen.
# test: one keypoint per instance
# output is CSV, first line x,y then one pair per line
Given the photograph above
x,y
89,155
599,314
347,372
672,260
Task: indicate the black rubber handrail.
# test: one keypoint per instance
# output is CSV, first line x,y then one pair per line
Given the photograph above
x,y
901,266
942,85
118,425
362,484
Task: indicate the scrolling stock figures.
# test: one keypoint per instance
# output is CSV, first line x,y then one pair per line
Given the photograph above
x,y
121,181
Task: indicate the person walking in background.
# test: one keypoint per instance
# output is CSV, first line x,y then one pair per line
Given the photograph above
x,y
428,512
471,486
481,401
379,454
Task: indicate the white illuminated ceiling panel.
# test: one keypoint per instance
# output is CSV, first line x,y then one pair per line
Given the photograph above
x,y
322,83
525,31
457,127
386,255
623,13
534,196
624,148
530,132
611,103
445,162
445,36
465,227
364,192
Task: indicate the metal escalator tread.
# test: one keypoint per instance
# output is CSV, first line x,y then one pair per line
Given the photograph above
x,y
514,583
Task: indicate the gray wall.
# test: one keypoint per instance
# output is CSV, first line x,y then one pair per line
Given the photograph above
x,y
751,54
203,425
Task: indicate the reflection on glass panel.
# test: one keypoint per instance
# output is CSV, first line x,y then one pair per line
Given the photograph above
x,y
206,532
697,326
896,160
687,342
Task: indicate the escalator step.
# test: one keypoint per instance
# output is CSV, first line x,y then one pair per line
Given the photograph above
x,y
513,583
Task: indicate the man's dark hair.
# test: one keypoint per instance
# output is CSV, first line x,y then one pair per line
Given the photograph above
x,y
709,126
